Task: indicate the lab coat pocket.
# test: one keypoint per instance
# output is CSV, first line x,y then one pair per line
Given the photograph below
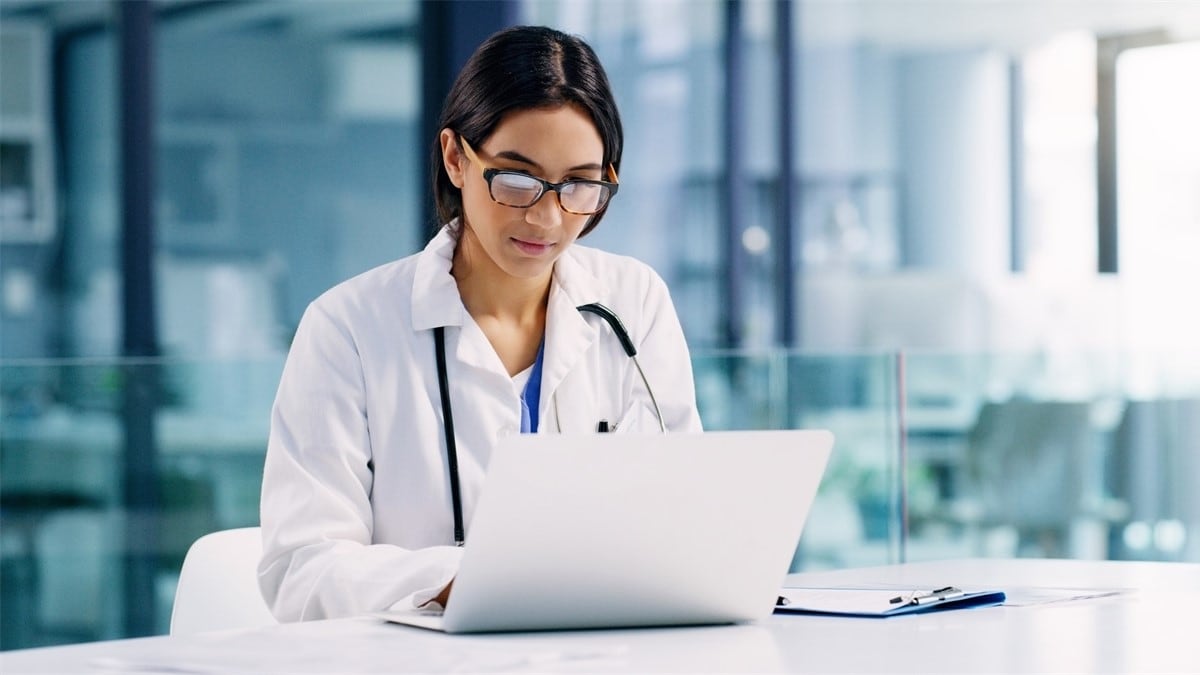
x,y
638,417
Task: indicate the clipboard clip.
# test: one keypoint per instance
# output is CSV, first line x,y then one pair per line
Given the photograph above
x,y
936,595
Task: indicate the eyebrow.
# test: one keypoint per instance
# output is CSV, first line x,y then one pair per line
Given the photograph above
x,y
515,156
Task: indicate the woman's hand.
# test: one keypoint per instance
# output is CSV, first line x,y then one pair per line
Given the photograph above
x,y
444,597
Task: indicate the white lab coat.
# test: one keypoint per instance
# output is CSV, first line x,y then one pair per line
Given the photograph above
x,y
356,510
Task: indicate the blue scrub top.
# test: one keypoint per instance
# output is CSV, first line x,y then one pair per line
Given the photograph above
x,y
532,394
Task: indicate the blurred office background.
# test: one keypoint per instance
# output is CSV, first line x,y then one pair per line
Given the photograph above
x,y
961,234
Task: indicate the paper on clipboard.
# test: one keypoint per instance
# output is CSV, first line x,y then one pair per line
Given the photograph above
x,y
880,602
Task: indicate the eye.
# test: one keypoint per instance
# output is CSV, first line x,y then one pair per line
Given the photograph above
x,y
511,180
515,189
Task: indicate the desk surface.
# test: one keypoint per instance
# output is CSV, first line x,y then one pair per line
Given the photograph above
x,y
1150,627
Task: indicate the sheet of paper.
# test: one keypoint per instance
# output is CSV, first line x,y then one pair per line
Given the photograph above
x,y
1027,596
842,600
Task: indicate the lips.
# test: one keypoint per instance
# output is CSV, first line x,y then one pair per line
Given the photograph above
x,y
532,247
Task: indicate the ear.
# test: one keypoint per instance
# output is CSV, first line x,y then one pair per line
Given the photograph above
x,y
452,157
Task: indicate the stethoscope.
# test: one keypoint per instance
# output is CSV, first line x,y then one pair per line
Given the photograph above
x,y
439,339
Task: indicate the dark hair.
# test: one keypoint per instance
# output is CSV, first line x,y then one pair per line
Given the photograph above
x,y
523,68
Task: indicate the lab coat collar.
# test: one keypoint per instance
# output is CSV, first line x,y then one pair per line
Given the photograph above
x,y
574,281
436,302
435,298
568,335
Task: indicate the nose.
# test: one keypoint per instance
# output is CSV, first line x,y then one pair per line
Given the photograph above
x,y
546,212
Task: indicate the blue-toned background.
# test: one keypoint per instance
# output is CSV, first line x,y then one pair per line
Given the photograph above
x,y
959,234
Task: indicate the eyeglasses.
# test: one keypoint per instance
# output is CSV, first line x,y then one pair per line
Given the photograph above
x,y
520,190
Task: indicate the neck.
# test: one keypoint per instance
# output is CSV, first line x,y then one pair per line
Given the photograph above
x,y
489,292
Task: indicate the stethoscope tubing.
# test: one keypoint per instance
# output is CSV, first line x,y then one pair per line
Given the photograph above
x,y
618,329
439,339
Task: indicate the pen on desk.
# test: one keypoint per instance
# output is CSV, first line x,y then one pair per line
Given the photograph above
x,y
602,426
936,595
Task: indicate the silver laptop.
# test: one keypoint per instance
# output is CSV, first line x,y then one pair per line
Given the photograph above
x,y
610,530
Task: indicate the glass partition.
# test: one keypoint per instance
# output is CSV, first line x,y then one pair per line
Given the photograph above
x,y
110,469
854,521
1091,455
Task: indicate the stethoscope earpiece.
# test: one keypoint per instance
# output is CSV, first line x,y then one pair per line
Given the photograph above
x,y
615,323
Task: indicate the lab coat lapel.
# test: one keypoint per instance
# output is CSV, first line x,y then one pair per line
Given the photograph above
x,y
568,336
435,299
436,302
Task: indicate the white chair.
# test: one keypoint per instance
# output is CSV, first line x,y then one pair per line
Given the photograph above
x,y
218,585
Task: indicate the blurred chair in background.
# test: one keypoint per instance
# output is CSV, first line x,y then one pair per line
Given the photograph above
x,y
1155,469
1035,468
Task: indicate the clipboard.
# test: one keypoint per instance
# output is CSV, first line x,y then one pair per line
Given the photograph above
x,y
881,603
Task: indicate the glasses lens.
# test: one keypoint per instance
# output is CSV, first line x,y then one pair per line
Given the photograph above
x,y
515,189
583,198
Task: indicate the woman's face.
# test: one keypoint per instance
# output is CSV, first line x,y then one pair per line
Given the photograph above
x,y
553,144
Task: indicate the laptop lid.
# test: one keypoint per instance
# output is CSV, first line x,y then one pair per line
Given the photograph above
x,y
609,530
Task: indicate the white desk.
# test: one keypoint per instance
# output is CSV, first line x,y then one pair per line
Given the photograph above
x,y
1150,629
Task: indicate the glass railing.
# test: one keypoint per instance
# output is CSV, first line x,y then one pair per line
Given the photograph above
x,y
1065,455
855,520
109,469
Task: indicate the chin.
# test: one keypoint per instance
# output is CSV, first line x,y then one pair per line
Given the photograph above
x,y
528,268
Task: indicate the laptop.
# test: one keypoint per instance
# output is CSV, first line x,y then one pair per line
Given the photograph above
x,y
630,529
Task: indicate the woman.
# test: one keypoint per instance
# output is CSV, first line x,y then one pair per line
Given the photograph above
x,y
358,508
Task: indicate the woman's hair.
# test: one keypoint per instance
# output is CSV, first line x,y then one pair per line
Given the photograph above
x,y
523,68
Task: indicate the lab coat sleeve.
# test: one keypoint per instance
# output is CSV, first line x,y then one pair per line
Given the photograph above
x,y
663,355
319,560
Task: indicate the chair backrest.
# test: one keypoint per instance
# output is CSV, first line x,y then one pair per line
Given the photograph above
x,y
1028,461
218,585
